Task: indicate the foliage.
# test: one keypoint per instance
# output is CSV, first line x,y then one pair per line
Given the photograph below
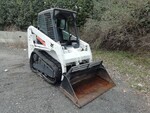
x,y
23,13
110,24
120,25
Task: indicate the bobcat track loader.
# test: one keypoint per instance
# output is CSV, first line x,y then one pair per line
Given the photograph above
x,y
58,55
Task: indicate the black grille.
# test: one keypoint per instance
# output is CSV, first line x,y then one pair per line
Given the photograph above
x,y
45,24
49,25
42,24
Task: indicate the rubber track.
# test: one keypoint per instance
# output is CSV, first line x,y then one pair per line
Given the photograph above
x,y
51,62
50,58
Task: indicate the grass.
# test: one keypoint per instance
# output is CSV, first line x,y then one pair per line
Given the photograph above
x,y
133,68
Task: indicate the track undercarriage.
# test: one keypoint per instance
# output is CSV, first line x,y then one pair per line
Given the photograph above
x,y
45,66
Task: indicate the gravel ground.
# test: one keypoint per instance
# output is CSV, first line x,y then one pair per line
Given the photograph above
x,y
22,91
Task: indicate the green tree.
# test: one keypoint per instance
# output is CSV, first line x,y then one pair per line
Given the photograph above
x,y
23,13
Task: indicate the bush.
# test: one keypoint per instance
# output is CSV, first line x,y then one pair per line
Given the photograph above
x,y
119,25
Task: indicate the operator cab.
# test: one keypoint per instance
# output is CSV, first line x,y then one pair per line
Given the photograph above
x,y
59,25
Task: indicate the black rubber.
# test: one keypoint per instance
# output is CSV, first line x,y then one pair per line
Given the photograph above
x,y
43,59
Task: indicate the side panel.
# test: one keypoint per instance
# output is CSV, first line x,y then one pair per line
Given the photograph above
x,y
86,46
50,45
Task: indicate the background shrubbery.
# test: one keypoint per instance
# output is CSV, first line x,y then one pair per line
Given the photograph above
x,y
119,25
19,14
109,24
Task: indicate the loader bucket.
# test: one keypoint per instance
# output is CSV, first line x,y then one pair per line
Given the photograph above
x,y
85,82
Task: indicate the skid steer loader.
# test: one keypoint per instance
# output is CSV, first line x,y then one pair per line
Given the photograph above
x,y
58,55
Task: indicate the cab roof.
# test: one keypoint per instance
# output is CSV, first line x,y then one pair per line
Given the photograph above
x,y
51,10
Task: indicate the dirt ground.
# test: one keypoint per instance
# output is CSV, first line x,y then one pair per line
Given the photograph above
x,y
22,91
